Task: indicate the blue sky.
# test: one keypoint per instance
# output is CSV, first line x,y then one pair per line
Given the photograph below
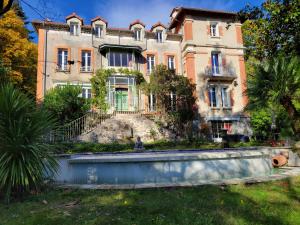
x,y
120,13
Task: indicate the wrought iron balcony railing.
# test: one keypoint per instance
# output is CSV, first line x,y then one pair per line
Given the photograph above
x,y
220,71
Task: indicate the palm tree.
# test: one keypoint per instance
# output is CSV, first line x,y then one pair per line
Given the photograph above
x,y
24,157
276,81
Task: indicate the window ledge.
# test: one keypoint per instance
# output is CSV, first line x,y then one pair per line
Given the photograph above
x,y
215,37
215,108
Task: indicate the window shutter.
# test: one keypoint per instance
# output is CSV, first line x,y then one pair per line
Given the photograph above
x,y
231,98
221,31
208,30
207,97
223,60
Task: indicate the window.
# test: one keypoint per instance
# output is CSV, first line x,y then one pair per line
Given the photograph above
x,y
152,102
74,28
171,63
219,126
86,61
86,92
62,62
98,31
173,101
159,36
214,32
215,62
225,97
150,63
213,97
120,59
138,34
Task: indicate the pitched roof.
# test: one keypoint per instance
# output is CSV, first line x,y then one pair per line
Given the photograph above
x,y
157,25
99,18
136,22
74,15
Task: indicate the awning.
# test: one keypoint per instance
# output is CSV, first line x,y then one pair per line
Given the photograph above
x,y
104,48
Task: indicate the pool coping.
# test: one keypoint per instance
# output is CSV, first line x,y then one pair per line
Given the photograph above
x,y
168,156
286,173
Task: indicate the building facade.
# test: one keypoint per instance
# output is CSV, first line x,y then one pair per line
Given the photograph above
x,y
205,46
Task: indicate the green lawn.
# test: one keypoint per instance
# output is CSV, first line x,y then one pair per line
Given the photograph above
x,y
269,203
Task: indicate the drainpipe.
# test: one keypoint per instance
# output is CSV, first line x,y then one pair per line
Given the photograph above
x,y
45,60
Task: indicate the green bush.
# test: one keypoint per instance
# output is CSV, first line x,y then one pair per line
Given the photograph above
x,y
65,103
24,157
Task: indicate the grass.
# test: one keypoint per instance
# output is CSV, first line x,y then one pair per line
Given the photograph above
x,y
268,203
161,145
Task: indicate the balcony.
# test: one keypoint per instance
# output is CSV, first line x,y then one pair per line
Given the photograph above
x,y
220,73
86,69
63,68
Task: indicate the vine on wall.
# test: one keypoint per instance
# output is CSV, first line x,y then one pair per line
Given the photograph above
x,y
99,81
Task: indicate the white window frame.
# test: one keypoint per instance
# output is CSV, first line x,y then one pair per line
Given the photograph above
x,y
225,96
171,62
64,63
85,57
98,31
159,38
150,63
130,63
214,30
214,70
138,34
86,92
211,96
74,28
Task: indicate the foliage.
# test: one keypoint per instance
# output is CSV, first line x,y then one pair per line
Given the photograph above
x,y
261,122
268,203
65,103
24,157
99,82
276,82
272,28
18,53
162,83
127,147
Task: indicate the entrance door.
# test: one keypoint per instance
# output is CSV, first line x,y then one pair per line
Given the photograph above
x,y
122,99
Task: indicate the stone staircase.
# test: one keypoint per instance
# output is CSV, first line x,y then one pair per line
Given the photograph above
x,y
124,128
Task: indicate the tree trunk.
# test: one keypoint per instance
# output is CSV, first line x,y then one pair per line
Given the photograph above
x,y
287,103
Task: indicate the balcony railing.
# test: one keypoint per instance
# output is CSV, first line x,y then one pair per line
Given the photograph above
x,y
86,69
63,68
220,72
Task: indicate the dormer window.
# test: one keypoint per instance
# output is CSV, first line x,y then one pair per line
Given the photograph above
x,y
74,28
159,36
98,31
214,31
137,34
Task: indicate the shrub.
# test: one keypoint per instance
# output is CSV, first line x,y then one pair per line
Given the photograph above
x,y
65,103
24,157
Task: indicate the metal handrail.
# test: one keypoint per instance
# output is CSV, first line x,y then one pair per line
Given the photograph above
x,y
77,127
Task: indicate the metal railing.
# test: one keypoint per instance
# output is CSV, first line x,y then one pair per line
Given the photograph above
x,y
82,125
220,71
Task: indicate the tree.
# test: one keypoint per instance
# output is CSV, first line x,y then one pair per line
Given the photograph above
x,y
276,82
5,6
272,28
24,156
162,83
261,122
65,103
17,52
